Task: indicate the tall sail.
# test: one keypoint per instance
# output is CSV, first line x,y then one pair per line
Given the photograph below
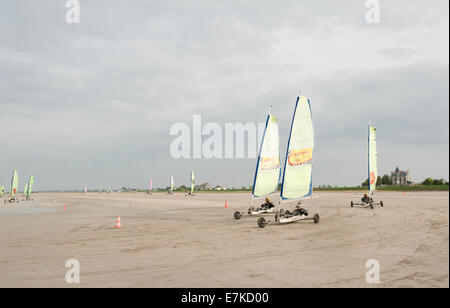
x,y
30,186
14,185
297,176
151,185
373,169
171,184
192,182
267,174
25,190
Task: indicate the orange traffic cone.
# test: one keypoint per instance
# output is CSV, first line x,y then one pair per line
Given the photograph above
x,y
118,225
226,204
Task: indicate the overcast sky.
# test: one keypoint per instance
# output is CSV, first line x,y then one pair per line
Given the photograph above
x,y
92,103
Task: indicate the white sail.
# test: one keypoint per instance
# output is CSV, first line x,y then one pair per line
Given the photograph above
x,y
373,169
267,174
192,182
297,176
171,184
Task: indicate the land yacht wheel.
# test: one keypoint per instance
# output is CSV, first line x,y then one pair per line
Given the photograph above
x,y
316,218
262,222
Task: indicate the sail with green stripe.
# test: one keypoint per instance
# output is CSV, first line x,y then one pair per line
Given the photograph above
x,y
373,156
30,186
14,185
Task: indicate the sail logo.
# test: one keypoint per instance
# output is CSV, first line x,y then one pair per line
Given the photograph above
x,y
372,178
269,163
234,140
300,157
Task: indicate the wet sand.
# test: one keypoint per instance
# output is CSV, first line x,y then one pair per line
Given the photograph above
x,y
195,242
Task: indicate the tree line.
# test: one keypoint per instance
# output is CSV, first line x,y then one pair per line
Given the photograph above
x,y
431,181
386,181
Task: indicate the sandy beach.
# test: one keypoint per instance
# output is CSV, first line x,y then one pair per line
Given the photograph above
x,y
175,241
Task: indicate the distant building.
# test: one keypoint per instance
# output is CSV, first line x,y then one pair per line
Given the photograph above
x,y
204,186
399,177
218,187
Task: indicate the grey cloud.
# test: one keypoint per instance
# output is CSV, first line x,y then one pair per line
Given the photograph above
x,y
398,53
93,103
